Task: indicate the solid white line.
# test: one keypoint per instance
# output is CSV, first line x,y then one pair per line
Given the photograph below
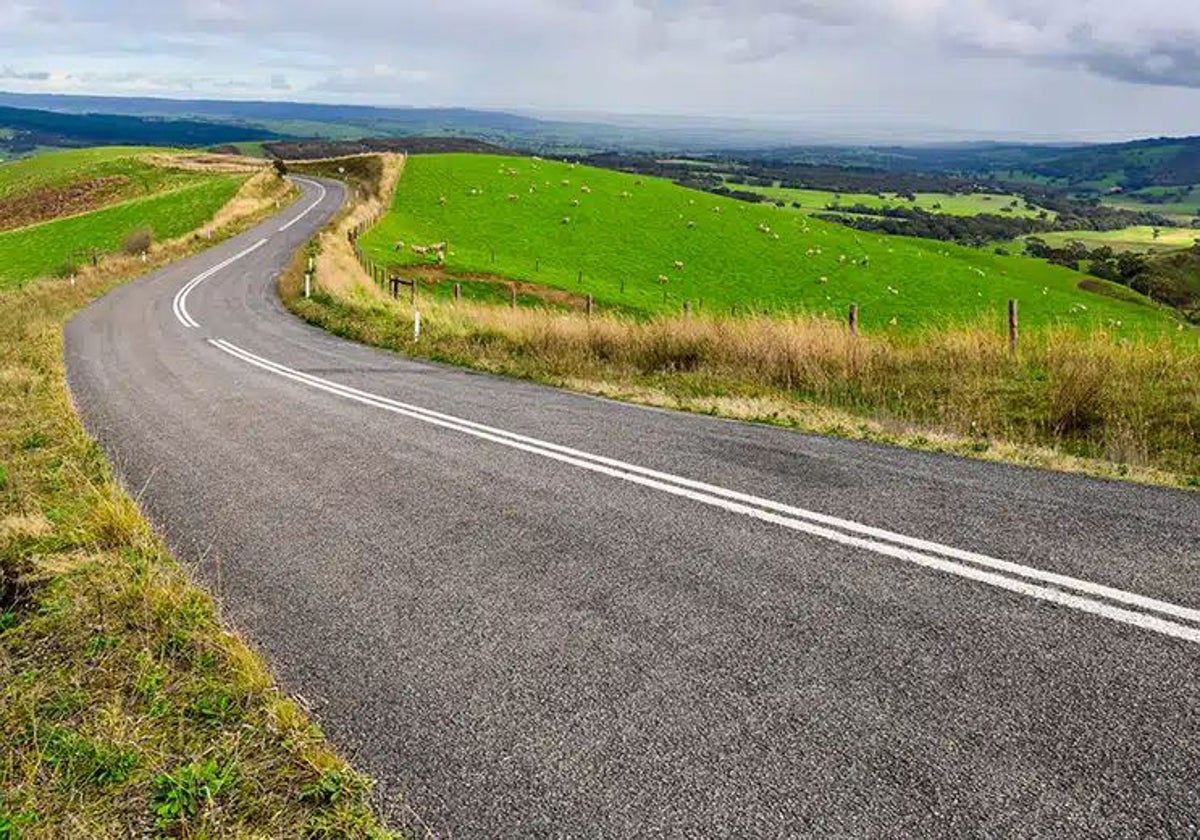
x,y
179,304
312,206
677,486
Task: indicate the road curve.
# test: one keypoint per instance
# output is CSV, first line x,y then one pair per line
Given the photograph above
x,y
534,613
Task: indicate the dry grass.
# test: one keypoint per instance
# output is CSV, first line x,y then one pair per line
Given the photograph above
x,y
206,162
335,262
1083,402
126,710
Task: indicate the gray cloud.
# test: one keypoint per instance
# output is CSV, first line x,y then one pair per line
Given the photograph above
x,y
978,64
24,75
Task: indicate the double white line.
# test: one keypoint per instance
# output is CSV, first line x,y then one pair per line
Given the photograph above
x,y
310,207
179,304
1114,604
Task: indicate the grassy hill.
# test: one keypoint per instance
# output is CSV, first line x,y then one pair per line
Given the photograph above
x,y
552,223
69,204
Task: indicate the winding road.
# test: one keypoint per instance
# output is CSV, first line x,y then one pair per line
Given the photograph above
x,y
532,613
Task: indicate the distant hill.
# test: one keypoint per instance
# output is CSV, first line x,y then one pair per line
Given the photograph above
x,y
1161,162
27,130
312,149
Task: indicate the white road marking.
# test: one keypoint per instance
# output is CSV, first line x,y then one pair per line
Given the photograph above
x,y
179,304
930,555
310,207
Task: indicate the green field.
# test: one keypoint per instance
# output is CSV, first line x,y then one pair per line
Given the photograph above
x,y
58,169
44,249
1127,239
1182,209
963,204
631,231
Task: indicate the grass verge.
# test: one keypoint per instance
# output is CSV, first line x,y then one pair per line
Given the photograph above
x,y
125,708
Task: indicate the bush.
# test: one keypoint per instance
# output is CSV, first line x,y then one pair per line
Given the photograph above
x,y
138,241
280,167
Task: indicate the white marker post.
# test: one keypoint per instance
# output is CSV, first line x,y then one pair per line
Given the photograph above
x,y
416,325
307,284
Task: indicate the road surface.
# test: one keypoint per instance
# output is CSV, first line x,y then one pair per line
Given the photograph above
x,y
534,613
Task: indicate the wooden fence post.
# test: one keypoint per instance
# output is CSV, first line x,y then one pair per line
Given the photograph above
x,y
514,295
590,304
1014,326
687,309
854,319
457,292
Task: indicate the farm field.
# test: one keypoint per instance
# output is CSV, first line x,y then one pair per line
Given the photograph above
x,y
1181,209
1127,239
50,247
963,204
58,184
646,245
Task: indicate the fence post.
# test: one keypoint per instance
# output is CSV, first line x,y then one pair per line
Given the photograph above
x,y
687,309
457,292
308,284
1013,325
854,319
590,303
416,325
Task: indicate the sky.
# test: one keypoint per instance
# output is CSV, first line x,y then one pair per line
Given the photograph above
x,y
1046,69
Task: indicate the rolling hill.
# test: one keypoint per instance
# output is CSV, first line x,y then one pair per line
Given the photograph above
x,y
58,209
646,245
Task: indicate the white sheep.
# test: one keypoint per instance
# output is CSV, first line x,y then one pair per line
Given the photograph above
x,y
566,220
514,197
677,265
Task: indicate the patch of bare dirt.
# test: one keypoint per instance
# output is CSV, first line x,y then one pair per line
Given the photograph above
x,y
52,202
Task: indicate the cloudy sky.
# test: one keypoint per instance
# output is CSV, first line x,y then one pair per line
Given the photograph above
x,y
1039,68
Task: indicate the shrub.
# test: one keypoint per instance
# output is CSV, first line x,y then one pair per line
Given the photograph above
x,y
138,241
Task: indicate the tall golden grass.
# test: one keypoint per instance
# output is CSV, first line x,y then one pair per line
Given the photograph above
x,y
1130,403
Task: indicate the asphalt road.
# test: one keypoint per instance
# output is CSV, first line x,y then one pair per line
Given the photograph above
x,y
536,613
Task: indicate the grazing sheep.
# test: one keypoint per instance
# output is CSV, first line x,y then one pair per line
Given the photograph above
x,y
663,279
691,224
442,200
626,194
566,182
585,189
894,322
677,265
823,280
420,249
716,209
566,220
575,202
399,245
514,197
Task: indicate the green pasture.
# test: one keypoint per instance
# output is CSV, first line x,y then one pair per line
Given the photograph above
x,y
1127,239
967,204
49,248
618,237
